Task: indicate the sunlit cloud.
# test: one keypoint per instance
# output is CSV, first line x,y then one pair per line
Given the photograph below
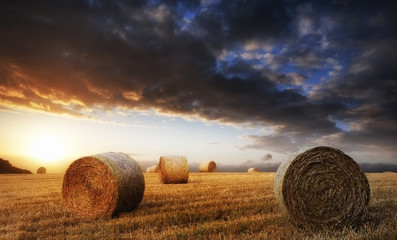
x,y
324,72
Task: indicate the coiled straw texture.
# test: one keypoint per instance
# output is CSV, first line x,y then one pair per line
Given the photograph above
x,y
173,169
103,185
207,166
322,188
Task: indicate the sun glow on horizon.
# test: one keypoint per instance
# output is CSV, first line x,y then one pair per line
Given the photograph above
x,y
47,148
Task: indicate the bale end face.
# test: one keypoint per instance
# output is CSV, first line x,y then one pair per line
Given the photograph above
x,y
322,188
103,185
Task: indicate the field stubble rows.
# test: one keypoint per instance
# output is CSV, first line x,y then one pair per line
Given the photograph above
x,y
210,206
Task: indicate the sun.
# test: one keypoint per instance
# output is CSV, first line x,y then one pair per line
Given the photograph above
x,y
47,148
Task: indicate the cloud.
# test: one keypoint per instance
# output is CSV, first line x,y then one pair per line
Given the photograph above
x,y
308,67
267,157
371,93
276,143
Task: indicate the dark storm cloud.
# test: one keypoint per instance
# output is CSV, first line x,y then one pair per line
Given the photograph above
x,y
370,86
258,19
190,58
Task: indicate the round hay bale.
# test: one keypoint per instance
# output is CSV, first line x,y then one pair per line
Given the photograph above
x,y
103,185
253,170
322,188
173,169
41,170
207,166
152,169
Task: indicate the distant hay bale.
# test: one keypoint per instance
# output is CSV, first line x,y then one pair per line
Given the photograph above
x,y
173,169
253,170
103,185
41,170
322,188
207,166
152,169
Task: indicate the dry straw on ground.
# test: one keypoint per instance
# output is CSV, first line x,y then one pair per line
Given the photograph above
x,y
103,185
253,170
173,169
41,170
322,188
207,166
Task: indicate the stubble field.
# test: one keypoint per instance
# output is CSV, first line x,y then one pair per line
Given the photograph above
x,y
210,206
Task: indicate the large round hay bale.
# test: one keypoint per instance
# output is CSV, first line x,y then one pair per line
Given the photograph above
x,y
207,166
41,170
173,169
251,170
322,188
103,185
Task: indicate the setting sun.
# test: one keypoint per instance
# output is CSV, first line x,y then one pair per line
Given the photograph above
x,y
47,148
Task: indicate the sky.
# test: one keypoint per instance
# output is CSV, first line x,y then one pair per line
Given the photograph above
x,y
236,82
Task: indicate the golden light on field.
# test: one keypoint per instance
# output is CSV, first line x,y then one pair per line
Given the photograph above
x,y
47,148
210,206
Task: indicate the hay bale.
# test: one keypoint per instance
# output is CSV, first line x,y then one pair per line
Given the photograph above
x,y
322,188
152,169
173,169
103,185
207,166
41,170
251,170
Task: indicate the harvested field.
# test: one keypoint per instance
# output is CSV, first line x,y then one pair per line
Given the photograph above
x,y
209,206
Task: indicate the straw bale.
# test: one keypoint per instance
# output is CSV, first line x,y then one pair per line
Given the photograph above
x,y
253,170
207,166
103,185
41,170
152,169
322,188
173,169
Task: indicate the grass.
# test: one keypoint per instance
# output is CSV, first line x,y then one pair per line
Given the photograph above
x,y
210,206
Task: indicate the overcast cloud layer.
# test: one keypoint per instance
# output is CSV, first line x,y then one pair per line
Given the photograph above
x,y
308,72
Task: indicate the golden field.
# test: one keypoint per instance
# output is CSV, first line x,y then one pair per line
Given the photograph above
x,y
210,206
